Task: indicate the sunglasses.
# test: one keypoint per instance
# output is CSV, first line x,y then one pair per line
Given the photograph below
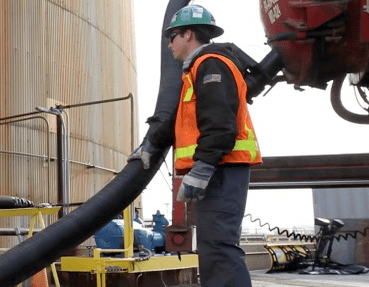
x,y
173,35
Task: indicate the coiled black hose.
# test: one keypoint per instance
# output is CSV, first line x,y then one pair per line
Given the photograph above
x,y
36,253
296,236
311,238
352,234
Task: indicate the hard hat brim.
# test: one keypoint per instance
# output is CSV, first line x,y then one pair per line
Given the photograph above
x,y
214,31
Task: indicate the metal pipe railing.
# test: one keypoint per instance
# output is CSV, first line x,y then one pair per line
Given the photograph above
x,y
47,142
53,158
63,146
63,143
130,97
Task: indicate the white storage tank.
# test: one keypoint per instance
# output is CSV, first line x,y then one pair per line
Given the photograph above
x,y
64,52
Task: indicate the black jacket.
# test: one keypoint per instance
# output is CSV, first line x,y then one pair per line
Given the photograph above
x,y
217,106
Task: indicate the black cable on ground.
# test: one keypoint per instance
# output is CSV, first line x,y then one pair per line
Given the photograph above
x,y
306,238
296,236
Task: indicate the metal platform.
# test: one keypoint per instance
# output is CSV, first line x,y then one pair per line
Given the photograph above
x,y
116,271
285,279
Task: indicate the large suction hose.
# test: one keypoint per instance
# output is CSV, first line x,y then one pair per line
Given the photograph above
x,y
170,74
39,251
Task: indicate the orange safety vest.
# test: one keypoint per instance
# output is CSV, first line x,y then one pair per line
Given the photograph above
x,y
246,149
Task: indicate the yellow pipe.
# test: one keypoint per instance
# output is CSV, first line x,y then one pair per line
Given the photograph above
x,y
52,266
35,213
97,264
31,226
128,233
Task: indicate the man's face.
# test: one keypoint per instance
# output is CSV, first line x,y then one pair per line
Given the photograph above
x,y
178,45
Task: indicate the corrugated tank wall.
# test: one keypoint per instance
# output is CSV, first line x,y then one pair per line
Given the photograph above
x,y
64,52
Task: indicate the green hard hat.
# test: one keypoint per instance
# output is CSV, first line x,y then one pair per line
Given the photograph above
x,y
194,15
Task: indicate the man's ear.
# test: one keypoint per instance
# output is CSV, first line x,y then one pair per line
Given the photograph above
x,y
189,35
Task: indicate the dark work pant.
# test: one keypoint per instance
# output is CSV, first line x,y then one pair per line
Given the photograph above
x,y
218,219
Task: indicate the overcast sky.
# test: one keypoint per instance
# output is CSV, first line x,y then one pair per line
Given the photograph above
x,y
287,122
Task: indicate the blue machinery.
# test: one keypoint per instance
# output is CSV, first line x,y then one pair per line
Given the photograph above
x,y
111,235
111,257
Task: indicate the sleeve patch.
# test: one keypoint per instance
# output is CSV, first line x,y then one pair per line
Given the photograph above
x,y
212,78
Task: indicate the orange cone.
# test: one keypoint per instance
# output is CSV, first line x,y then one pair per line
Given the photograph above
x,y
40,279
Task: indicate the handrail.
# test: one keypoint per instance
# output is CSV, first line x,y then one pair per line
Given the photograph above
x,y
18,116
53,158
62,154
130,96
47,142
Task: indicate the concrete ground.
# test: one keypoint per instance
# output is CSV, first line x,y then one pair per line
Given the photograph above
x,y
292,279
288,279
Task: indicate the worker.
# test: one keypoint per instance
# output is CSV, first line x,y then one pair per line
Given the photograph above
x,y
214,144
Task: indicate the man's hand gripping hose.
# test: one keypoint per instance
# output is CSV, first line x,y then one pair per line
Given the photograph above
x,y
144,153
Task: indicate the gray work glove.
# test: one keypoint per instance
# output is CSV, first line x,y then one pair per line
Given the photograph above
x,y
194,183
144,152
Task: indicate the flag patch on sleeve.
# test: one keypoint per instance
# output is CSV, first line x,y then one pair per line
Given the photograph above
x,y
212,78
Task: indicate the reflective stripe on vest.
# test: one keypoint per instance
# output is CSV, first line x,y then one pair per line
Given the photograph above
x,y
246,149
189,91
240,145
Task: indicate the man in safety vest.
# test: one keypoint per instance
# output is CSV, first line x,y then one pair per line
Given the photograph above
x,y
214,143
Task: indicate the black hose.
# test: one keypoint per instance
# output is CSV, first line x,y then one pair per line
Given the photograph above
x,y
171,74
41,250
7,202
312,238
338,106
296,236
36,253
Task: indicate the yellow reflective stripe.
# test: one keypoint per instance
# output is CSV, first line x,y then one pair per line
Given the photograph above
x,y
252,147
246,145
250,132
184,152
189,91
